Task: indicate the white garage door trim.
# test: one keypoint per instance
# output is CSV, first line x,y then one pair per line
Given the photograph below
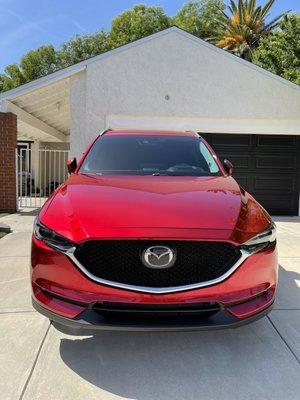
x,y
207,125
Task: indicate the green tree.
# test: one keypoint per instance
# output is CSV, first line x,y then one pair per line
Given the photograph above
x,y
137,23
35,64
200,18
40,62
280,51
80,48
240,32
244,27
12,77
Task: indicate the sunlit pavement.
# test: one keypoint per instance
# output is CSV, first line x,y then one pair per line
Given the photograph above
x,y
257,361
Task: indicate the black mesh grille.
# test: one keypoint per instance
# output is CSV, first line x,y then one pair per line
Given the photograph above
x,y
120,261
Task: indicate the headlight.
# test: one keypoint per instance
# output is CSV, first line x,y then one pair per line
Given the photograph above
x,y
261,241
51,238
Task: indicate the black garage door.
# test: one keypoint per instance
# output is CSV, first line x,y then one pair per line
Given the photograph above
x,y
267,166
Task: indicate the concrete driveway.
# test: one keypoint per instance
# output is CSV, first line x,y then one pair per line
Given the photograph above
x,y
258,361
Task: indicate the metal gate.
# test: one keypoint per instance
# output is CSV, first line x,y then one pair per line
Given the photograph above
x,y
38,174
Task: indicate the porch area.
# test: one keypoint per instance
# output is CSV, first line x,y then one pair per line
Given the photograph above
x,y
35,145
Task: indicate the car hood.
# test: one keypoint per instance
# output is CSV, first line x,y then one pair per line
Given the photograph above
x,y
89,206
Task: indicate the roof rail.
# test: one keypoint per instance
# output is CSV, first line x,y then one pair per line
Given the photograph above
x,y
104,132
192,131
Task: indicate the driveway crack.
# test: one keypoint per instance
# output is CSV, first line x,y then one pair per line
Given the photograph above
x,y
283,339
34,363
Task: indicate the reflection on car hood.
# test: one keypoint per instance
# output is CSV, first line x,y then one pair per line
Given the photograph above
x,y
104,206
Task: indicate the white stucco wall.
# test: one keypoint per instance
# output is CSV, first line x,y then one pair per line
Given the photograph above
x,y
209,90
78,129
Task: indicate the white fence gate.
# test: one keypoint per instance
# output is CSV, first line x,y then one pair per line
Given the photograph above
x,y
38,174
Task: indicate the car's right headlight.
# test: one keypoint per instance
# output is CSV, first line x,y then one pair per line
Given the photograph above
x,y
261,241
50,237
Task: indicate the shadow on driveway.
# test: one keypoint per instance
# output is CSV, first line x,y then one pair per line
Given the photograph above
x,y
288,294
249,362
31,213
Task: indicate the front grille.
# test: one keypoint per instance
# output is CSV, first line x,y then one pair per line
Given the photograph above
x,y
120,261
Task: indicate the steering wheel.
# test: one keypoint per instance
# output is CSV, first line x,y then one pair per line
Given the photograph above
x,y
184,167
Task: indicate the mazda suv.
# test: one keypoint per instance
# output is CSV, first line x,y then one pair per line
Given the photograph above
x,y
151,232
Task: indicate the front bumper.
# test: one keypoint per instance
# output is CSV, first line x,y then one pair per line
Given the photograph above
x,y
89,320
65,295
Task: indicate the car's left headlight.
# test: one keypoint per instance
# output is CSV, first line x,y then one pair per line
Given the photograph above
x,y
50,237
261,241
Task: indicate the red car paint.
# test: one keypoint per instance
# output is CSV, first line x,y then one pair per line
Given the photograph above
x,y
212,208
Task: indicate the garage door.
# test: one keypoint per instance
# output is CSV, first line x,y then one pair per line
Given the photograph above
x,y
267,166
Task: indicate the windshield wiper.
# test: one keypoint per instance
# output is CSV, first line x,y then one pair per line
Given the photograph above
x,y
167,174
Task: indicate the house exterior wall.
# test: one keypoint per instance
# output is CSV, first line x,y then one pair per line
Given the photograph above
x,y
176,81
78,130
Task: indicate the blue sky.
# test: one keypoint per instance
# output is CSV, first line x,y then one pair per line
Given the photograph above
x,y
26,25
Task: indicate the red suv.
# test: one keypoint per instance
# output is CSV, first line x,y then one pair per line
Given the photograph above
x,y
150,231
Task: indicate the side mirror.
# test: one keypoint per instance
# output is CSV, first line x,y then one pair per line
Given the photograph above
x,y
228,166
72,165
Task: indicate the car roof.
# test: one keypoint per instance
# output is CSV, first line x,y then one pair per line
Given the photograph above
x,y
143,132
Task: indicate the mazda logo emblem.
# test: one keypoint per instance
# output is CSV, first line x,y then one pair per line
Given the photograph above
x,y
158,257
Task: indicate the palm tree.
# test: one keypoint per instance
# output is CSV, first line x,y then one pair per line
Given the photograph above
x,y
245,25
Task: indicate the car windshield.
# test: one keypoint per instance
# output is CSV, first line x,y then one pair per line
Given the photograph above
x,y
150,155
